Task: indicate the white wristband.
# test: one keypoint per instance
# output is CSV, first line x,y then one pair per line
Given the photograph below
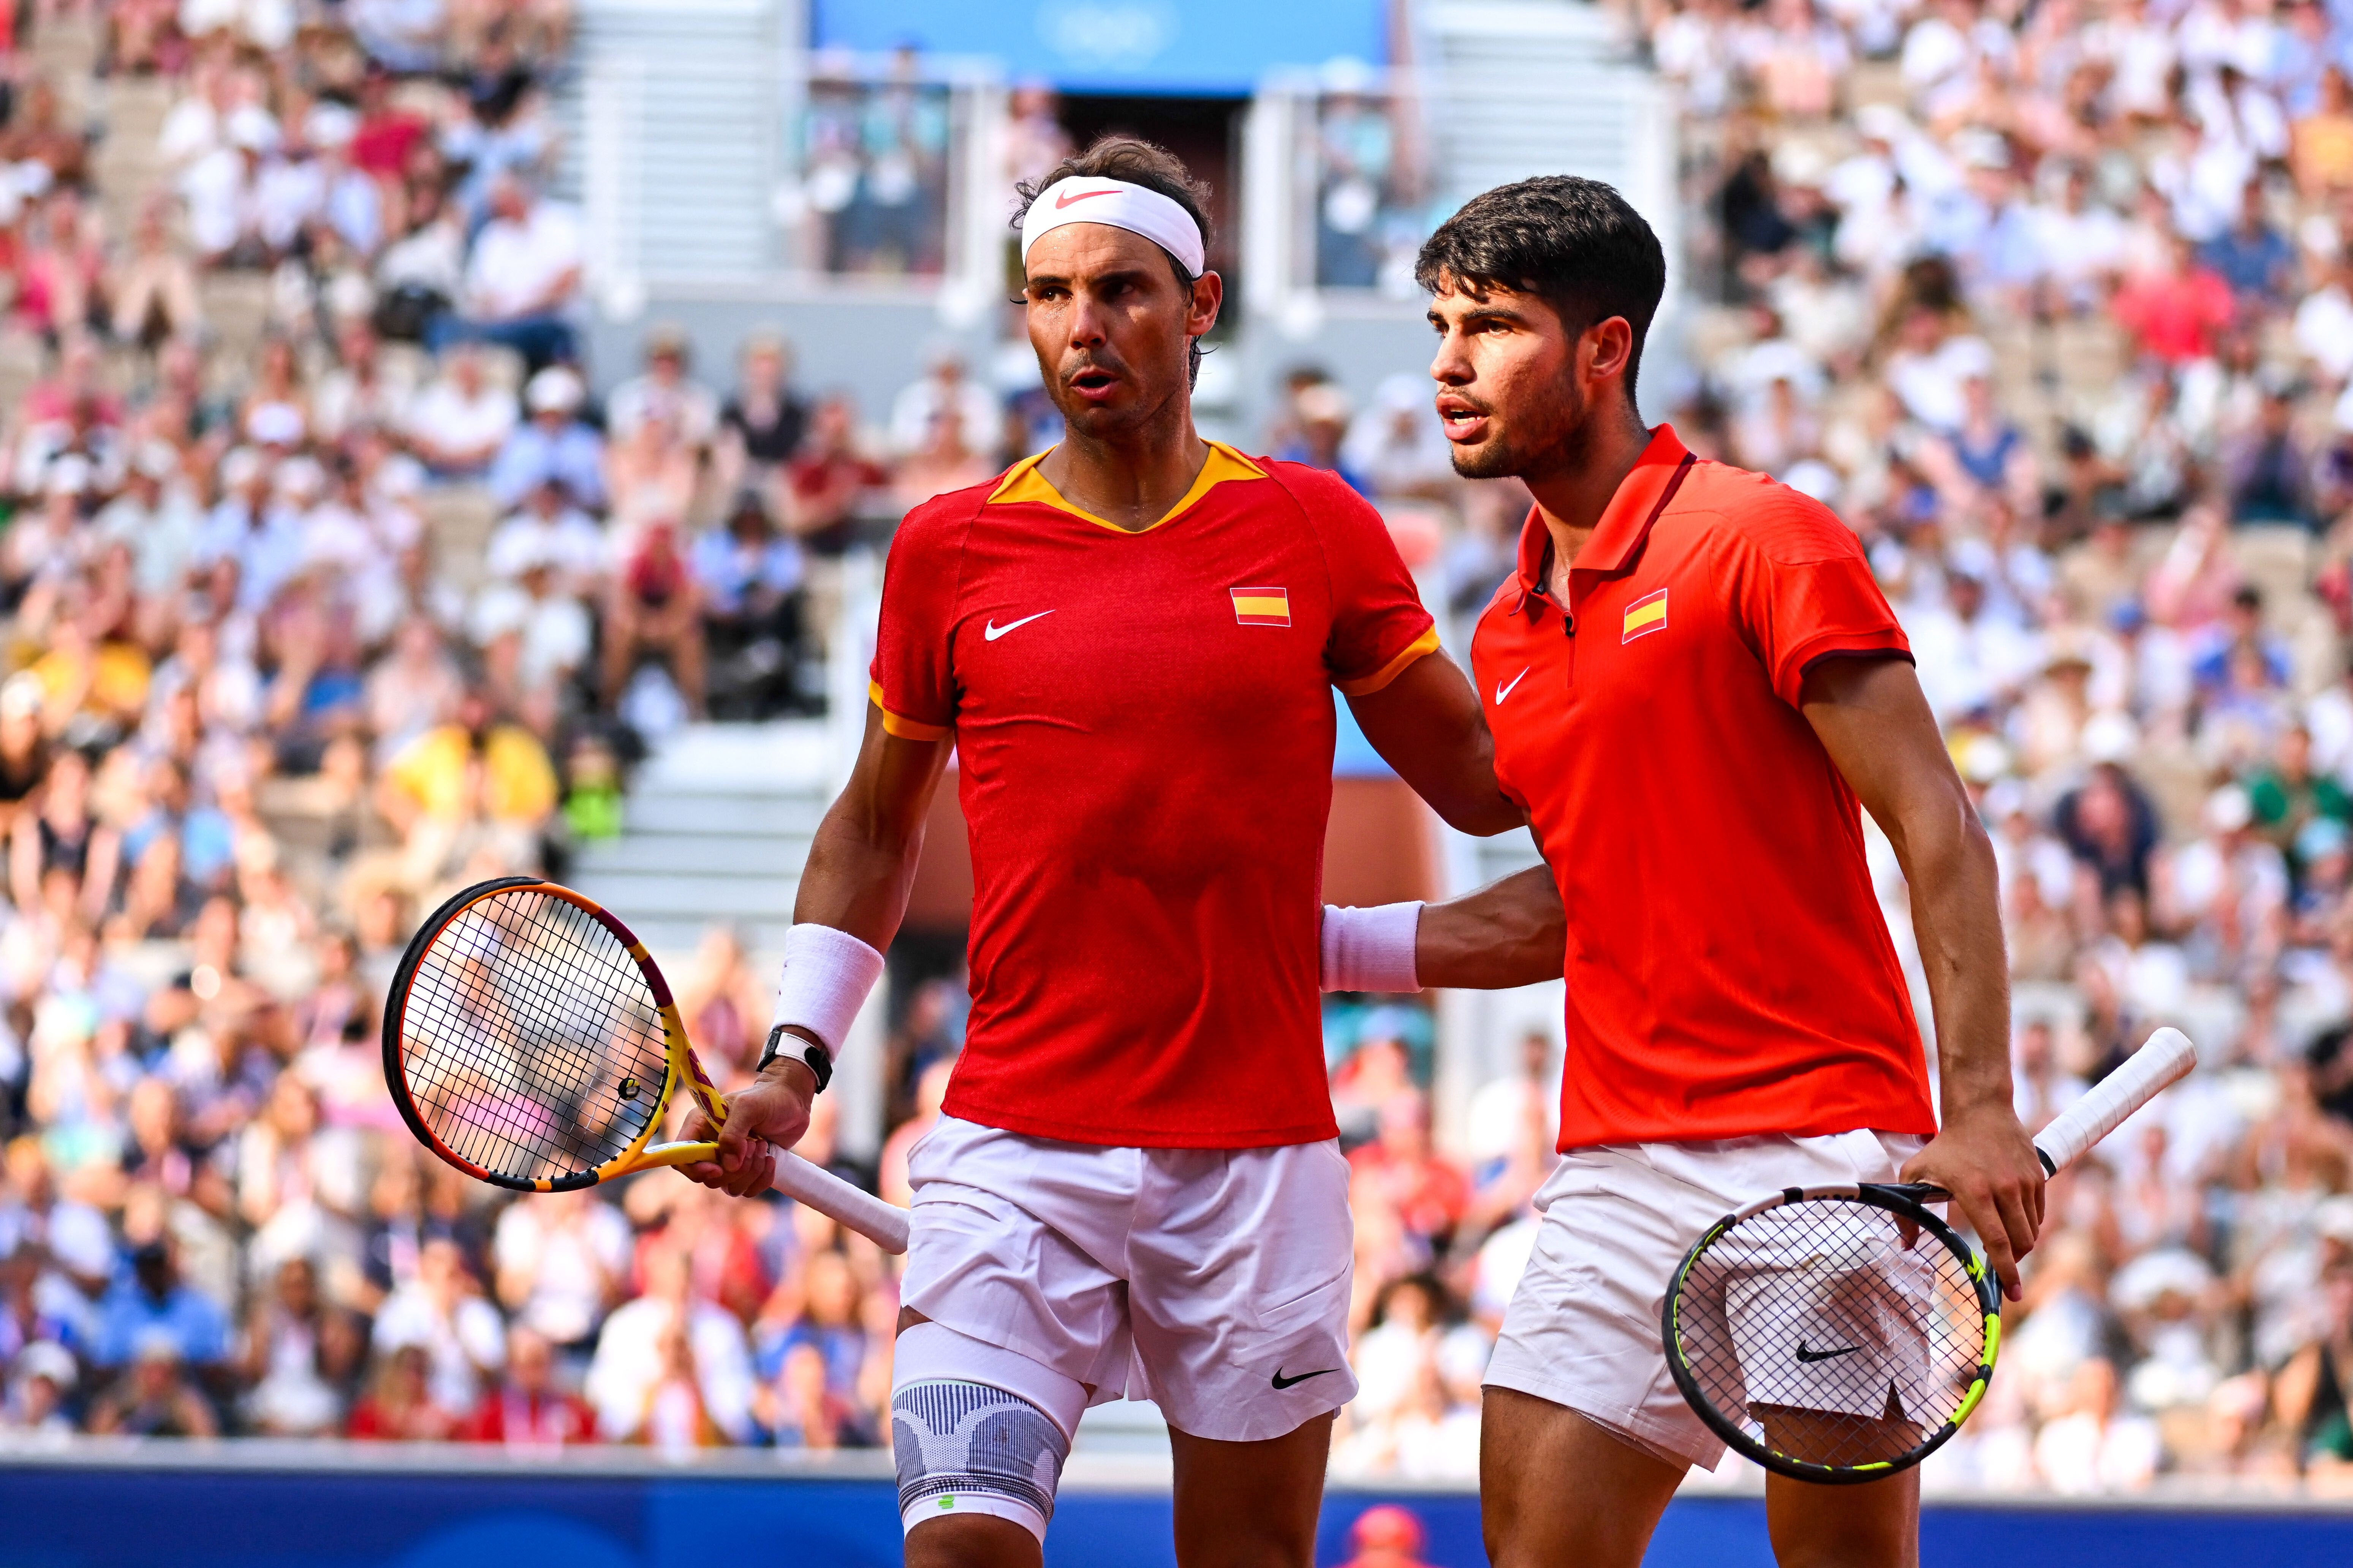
x,y
1371,948
827,973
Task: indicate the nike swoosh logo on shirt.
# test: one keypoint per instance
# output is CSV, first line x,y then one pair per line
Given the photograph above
x,y
1282,1381
1067,197
992,631
1807,1353
1502,690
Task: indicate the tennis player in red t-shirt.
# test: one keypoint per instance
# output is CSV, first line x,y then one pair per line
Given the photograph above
x,y
1130,643
1693,683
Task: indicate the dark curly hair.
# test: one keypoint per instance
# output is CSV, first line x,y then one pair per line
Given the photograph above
x,y
1574,243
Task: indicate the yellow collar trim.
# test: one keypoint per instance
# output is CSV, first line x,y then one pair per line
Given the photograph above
x,y
1023,482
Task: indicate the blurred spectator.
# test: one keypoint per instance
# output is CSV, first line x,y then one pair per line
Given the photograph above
x,y
443,1311
749,578
671,1367
665,390
553,444
762,421
156,1399
522,278
655,607
459,422
562,1262
1385,1536
2175,313
153,1312
945,391
399,1405
527,1411
2254,258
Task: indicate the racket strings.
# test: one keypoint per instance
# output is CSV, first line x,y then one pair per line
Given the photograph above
x,y
1831,1331
531,1041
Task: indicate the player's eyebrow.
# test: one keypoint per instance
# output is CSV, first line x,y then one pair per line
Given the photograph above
x,y
1484,312
1115,275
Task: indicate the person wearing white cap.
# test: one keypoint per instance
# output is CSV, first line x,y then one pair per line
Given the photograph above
x,y
554,443
1135,1188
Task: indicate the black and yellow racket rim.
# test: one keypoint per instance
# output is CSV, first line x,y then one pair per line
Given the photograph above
x,y
1961,1325
529,1040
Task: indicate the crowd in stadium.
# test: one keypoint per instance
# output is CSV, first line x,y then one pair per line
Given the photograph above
x,y
331,588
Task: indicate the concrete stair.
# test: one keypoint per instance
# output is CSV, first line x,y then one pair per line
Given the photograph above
x,y
717,827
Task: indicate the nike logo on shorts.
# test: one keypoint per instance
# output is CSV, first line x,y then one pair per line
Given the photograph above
x,y
1502,690
1808,1354
992,631
1282,1381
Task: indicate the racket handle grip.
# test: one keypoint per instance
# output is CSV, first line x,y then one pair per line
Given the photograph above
x,y
2163,1059
884,1223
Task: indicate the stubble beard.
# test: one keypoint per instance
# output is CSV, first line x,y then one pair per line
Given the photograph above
x,y
1556,443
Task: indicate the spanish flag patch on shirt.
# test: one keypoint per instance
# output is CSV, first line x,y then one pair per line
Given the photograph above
x,y
1645,615
1263,606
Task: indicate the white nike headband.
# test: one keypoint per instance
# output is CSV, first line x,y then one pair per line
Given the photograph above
x,y
1122,206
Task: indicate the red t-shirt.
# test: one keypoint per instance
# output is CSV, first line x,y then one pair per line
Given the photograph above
x,y
1143,730
2176,318
382,144
1728,970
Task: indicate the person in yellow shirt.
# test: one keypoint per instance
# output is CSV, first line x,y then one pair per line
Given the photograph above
x,y
81,673
476,765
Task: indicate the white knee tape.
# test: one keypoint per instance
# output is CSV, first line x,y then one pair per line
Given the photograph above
x,y
975,1428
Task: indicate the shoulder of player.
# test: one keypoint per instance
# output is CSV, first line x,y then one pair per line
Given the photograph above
x,y
1734,509
1320,493
940,522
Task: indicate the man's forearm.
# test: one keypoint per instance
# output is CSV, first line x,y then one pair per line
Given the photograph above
x,y
1955,915
1511,932
856,881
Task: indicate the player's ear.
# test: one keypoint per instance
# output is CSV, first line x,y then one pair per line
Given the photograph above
x,y
1607,347
1209,297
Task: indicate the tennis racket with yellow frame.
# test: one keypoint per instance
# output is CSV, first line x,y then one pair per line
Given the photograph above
x,y
1843,1333
531,1041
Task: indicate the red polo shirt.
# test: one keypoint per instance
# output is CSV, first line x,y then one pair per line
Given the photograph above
x,y
1729,973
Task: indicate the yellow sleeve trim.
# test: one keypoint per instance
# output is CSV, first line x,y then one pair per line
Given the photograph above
x,y
1426,643
904,728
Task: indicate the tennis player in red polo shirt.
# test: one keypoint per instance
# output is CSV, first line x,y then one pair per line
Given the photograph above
x,y
1131,643
1695,688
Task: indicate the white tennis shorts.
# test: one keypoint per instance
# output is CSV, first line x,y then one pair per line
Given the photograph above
x,y
1582,1330
1213,1282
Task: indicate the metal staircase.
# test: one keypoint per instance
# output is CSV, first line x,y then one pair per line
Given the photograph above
x,y
717,825
1546,87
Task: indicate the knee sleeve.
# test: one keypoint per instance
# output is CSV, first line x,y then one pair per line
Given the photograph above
x,y
975,1428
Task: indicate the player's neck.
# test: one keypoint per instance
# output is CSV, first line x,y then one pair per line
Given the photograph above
x,y
1132,480
1572,493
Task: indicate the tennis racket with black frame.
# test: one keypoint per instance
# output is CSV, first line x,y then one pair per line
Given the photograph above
x,y
1843,1333
529,1041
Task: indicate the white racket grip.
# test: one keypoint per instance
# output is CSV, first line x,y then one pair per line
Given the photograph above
x,y
884,1224
2164,1058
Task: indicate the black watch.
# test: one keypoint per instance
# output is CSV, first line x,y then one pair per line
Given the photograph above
x,y
819,1059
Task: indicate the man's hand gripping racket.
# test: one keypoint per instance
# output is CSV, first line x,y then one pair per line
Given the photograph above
x,y
1844,1334
529,1041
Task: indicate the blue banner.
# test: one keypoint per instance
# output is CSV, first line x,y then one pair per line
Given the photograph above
x,y
120,1516
1181,47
